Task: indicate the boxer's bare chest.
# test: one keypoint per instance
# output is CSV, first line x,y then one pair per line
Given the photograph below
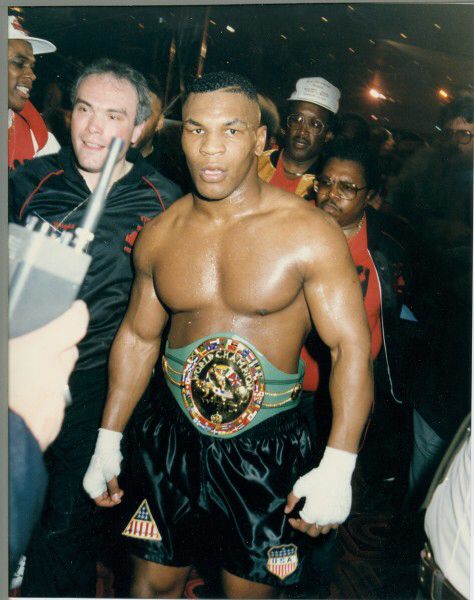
x,y
245,268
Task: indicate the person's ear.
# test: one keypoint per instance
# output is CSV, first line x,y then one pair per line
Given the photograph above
x,y
329,136
137,130
374,199
261,139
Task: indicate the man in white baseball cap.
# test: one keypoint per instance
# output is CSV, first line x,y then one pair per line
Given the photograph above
x,y
311,107
28,136
310,115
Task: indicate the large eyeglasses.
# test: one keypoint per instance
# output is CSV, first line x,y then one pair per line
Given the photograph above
x,y
344,189
460,136
297,120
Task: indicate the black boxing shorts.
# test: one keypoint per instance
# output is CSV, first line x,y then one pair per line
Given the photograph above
x,y
190,495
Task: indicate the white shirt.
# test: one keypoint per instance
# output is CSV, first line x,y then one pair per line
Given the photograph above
x,y
448,521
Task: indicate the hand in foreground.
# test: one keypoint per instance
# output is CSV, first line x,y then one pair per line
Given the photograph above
x,y
328,493
100,480
39,366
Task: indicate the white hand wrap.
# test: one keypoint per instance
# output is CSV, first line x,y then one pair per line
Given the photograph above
x,y
105,462
328,488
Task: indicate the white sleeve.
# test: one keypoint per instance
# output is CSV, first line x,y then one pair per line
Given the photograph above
x,y
51,147
448,521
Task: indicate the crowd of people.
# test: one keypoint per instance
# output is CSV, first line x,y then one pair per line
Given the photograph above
x,y
275,304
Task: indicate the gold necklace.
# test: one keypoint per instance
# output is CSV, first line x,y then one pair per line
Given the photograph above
x,y
292,173
358,228
288,172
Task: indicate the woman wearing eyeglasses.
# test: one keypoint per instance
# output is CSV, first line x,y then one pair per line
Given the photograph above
x,y
346,183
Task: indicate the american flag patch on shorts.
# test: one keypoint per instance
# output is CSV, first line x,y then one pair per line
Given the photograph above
x,y
282,560
142,525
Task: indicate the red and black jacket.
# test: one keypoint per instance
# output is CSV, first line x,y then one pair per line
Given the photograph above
x,y
50,188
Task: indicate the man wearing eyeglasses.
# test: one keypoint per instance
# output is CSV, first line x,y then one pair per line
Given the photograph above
x,y
311,109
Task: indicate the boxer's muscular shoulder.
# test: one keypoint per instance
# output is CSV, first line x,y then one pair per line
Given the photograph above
x,y
165,222
314,226
154,237
316,238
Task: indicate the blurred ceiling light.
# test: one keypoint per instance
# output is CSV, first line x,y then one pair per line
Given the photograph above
x,y
437,26
282,35
371,41
404,36
376,94
213,22
231,29
141,25
350,7
302,29
324,19
443,93
374,117
351,50
437,127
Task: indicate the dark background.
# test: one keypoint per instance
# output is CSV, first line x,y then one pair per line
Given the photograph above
x,y
355,46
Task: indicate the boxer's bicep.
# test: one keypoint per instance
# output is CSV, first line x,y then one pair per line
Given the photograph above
x,y
146,316
334,296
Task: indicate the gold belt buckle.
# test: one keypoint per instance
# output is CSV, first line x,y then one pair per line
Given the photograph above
x,y
223,385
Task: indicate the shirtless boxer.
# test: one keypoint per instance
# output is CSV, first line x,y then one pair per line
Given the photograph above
x,y
228,460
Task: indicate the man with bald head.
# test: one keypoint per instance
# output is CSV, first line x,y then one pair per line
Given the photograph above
x,y
27,133
221,460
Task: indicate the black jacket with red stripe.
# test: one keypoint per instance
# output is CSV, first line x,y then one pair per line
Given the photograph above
x,y
52,188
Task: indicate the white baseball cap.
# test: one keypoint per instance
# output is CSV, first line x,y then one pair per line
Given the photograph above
x,y
318,91
16,32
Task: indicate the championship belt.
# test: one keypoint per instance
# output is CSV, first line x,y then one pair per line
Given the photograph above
x,y
223,386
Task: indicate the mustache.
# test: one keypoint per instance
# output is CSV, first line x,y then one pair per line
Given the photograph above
x,y
324,203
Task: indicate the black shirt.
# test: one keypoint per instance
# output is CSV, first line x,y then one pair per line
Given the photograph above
x,y
52,188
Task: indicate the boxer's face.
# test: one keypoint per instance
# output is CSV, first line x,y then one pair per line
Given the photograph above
x,y
105,107
21,62
222,140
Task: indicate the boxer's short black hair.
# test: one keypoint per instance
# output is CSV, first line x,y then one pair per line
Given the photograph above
x,y
222,80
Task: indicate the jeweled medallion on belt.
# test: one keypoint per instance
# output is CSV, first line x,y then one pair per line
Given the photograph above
x,y
223,385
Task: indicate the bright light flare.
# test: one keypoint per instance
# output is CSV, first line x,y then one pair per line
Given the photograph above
x,y
376,94
443,93
231,29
